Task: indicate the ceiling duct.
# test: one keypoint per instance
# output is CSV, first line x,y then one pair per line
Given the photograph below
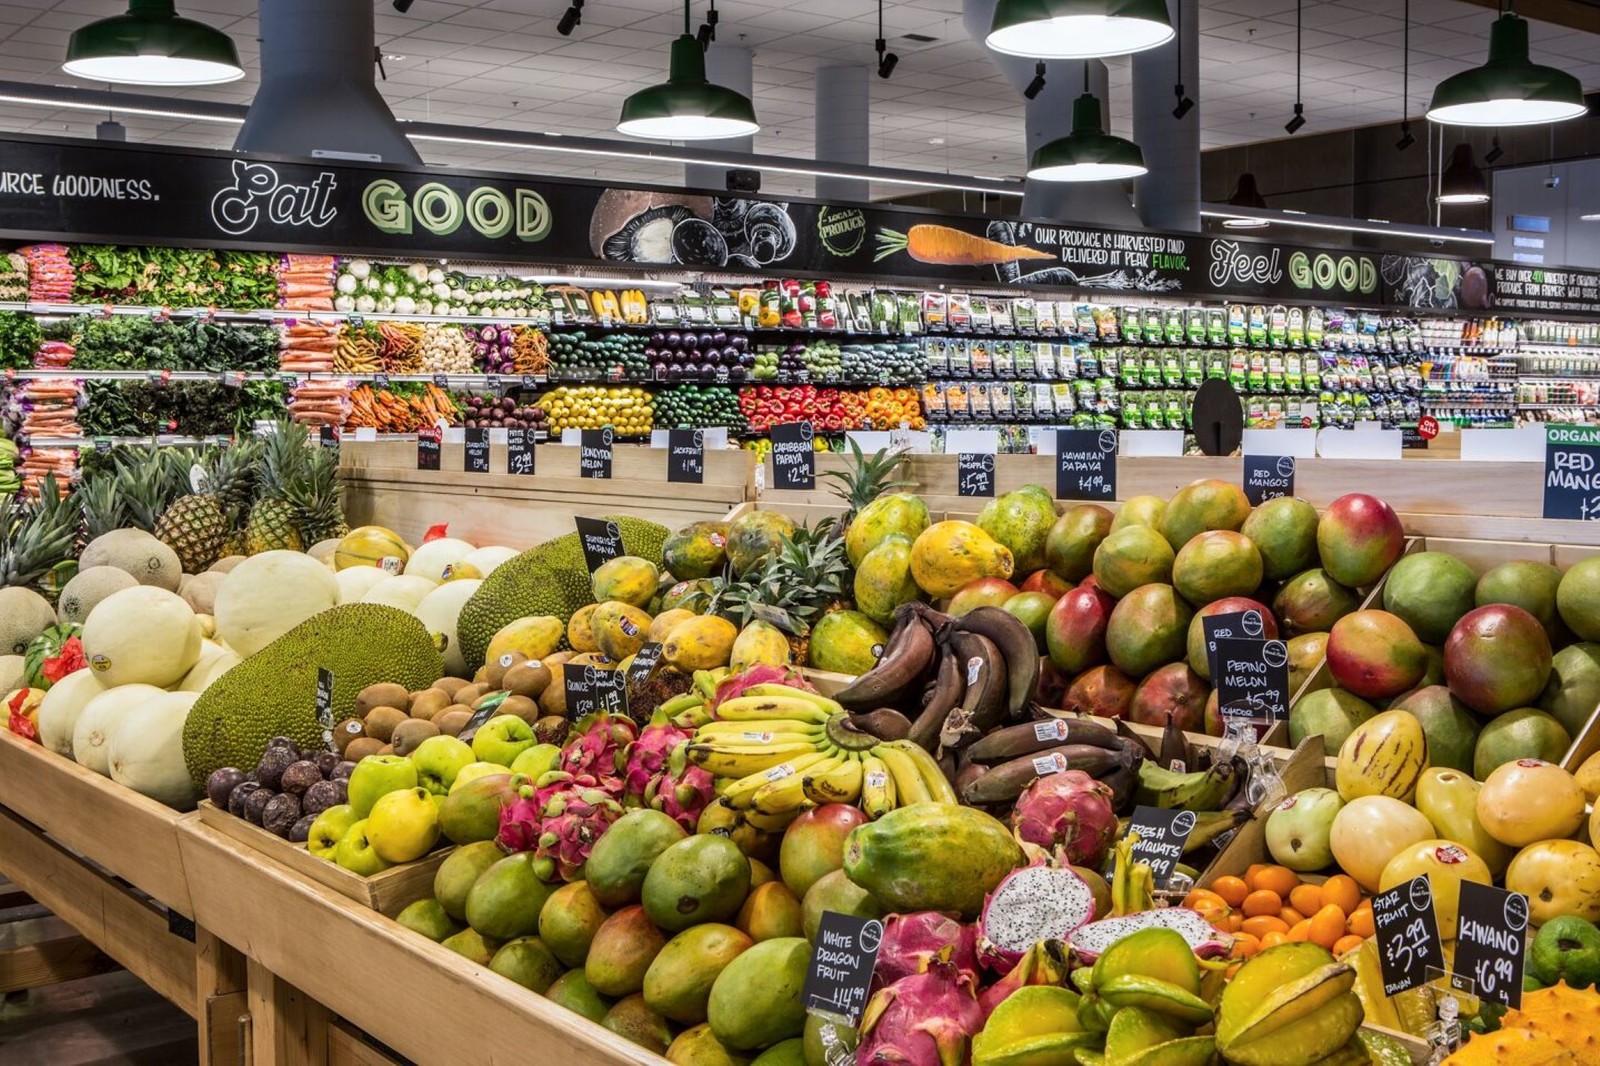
x,y
317,92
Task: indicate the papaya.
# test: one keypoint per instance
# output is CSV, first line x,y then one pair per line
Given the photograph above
x,y
846,642
662,623
700,643
949,554
1021,521
628,579
896,514
891,857
619,629
756,537
760,642
580,630
692,596
883,578
699,549
534,637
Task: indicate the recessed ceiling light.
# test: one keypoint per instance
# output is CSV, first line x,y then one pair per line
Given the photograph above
x,y
393,57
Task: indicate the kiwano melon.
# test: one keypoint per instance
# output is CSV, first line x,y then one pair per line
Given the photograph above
x,y
891,858
756,537
371,546
699,549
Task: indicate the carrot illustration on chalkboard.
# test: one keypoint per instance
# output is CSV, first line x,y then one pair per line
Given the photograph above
x,y
948,246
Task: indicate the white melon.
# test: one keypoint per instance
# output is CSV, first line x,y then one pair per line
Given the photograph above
x,y
269,594
58,714
91,733
439,611
485,560
215,660
404,592
431,559
356,581
141,636
145,751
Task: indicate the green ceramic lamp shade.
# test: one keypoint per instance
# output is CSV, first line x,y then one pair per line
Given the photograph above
x,y
1078,29
1509,90
152,45
687,107
1088,153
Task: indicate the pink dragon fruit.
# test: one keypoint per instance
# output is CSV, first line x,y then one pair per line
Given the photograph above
x,y
1091,940
759,674
523,821
519,821
1032,904
600,749
912,941
658,774
922,1020
647,760
1070,812
1044,964
573,820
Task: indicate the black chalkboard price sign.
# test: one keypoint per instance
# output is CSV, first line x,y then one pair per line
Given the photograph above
x,y
1267,477
601,540
519,452
1086,464
1231,624
686,456
324,706
1491,941
794,458
594,453
1409,951
430,444
475,454
1572,472
644,663
975,474
842,958
1162,834
1252,679
592,689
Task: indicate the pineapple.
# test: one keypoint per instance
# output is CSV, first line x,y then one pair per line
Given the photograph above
x,y
808,578
36,538
864,480
319,511
102,504
198,524
274,520
144,483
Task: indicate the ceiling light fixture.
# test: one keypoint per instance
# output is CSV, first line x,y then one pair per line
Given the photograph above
x,y
1298,219
1184,104
1078,29
152,45
1508,90
402,6
1406,139
886,58
1293,125
1492,156
687,107
1462,182
1088,153
1036,86
708,28
1245,194
571,19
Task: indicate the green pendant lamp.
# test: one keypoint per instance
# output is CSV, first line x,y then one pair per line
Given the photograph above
x,y
1088,153
1078,29
151,45
687,107
1509,90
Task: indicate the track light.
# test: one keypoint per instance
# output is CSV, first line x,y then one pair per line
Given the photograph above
x,y
1036,86
886,58
1494,153
402,6
1185,105
1406,140
571,19
1294,124
708,28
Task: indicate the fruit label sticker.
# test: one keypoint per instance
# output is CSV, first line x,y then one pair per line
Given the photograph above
x,y
594,689
1572,472
974,670
325,707
1162,835
594,453
601,540
840,974
975,474
1409,950
686,456
1268,477
476,451
1252,679
1491,942
1051,729
1231,624
430,443
1086,464
794,459
519,451
1053,763
644,663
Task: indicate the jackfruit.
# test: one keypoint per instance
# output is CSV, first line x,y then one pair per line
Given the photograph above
x,y
273,692
549,580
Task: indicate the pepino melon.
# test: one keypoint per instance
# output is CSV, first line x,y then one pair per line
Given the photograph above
x,y
145,751
142,635
372,546
269,594
58,714
91,733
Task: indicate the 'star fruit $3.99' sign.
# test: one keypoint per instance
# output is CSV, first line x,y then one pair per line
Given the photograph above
x,y
440,210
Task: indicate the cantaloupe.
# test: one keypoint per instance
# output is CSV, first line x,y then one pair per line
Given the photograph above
x,y
143,635
137,552
200,591
145,751
24,614
403,592
484,560
269,594
89,587
13,672
322,551
439,611
356,581
431,559
215,660
58,714
371,546
91,733
226,564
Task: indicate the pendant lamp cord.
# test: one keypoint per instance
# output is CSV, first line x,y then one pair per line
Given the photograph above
x,y
1179,5
1297,54
1405,67
687,31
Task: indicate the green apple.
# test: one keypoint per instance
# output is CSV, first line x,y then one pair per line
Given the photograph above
x,y
438,760
502,738
474,770
329,828
403,825
355,852
537,760
376,775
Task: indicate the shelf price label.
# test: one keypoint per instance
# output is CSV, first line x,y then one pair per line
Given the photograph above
x,y
328,437
519,451
601,540
1268,477
380,381
1491,941
1408,935
594,453
842,959
442,380
1252,680
476,451
1572,472
430,444
686,456
1162,835
975,474
324,706
1086,464
794,457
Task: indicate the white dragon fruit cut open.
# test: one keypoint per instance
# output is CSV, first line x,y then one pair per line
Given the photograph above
x,y
1033,904
1089,941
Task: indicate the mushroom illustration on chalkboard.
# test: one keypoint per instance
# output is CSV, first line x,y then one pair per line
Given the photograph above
x,y
697,231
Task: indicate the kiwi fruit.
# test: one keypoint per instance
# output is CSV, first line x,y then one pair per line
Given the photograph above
x,y
453,719
480,676
346,732
555,659
361,747
494,671
449,685
428,703
553,700
381,722
467,695
387,749
383,694
411,732
528,678
521,706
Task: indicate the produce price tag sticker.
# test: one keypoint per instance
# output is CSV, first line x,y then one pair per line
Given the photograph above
x,y
325,706
380,381
594,689
594,453
1572,472
519,451
1267,477
430,443
1252,679
1408,935
686,456
1086,464
840,974
975,474
1491,940
644,663
794,458
602,541
476,452
1232,624
1162,834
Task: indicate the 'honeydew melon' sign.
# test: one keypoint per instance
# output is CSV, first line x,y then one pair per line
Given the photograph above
x,y
1572,472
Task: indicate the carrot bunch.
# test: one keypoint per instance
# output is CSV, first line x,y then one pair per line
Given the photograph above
x,y
53,355
305,282
38,462
309,347
400,347
358,351
320,403
531,351
390,412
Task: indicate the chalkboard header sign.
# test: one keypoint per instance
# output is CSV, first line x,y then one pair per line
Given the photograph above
x,y
1086,464
842,958
1572,472
794,457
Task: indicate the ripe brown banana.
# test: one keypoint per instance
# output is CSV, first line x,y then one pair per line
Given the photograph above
x,y
1135,739
949,686
1005,782
1174,749
907,653
1016,643
1032,737
1124,784
885,723
984,705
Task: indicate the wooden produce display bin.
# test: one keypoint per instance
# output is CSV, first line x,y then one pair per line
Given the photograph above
x,y
384,487
388,892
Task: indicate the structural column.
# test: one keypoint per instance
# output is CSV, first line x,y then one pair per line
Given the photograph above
x,y
844,116
1168,197
730,67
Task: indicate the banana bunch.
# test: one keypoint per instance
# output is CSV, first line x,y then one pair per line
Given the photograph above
x,y
777,751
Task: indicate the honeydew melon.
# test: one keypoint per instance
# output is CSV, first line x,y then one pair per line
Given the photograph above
x,y
484,560
145,751
91,733
144,635
431,559
269,594
215,660
439,611
404,592
58,714
356,581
